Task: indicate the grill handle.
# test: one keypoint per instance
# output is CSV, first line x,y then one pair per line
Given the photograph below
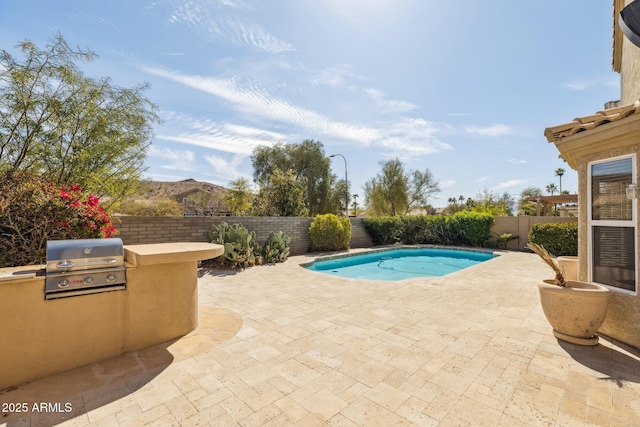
x,y
69,264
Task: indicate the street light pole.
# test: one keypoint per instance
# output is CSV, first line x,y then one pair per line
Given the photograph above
x,y
346,181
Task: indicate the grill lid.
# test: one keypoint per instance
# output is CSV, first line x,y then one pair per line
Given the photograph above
x,y
83,254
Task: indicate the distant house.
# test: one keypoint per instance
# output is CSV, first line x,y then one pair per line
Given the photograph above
x,y
198,198
603,149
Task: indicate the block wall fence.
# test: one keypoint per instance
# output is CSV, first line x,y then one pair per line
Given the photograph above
x,y
134,230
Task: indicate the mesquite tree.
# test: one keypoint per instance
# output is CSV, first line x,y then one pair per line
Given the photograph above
x,y
68,128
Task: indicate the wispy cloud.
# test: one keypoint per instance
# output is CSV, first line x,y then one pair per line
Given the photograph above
x,y
215,26
403,135
490,131
580,85
341,76
412,137
227,137
508,184
459,114
517,161
224,168
482,179
447,183
333,76
179,159
388,105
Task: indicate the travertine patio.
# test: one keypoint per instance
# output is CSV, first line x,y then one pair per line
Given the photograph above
x,y
280,345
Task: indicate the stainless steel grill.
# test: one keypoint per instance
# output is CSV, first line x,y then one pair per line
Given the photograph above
x,y
84,266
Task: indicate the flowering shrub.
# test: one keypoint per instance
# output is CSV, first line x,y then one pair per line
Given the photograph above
x,y
33,211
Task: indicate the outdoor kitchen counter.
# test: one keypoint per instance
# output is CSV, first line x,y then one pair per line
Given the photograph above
x,y
43,337
163,253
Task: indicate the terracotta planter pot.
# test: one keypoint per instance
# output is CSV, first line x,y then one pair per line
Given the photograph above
x,y
570,266
576,311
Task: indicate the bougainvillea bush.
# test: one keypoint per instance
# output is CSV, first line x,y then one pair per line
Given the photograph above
x,y
33,211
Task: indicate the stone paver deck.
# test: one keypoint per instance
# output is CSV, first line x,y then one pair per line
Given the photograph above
x,y
283,346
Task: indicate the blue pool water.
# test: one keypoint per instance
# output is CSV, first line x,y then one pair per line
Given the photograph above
x,y
399,264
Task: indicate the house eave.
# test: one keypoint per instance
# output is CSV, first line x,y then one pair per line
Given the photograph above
x,y
612,136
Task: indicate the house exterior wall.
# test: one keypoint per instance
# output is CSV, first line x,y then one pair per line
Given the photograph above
x,y
623,317
629,70
605,142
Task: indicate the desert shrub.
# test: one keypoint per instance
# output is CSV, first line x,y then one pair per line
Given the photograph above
x,y
502,240
329,232
156,207
240,247
472,228
276,247
383,230
33,211
558,239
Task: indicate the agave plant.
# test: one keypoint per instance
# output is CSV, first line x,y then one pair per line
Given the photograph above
x,y
551,262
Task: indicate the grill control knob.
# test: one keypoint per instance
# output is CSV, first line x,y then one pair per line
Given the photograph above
x,y
111,277
63,283
88,280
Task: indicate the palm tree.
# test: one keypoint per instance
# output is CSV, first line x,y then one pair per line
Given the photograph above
x,y
559,173
552,188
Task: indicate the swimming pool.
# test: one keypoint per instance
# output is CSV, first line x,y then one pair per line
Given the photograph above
x,y
399,263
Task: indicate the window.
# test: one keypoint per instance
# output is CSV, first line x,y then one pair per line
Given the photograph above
x,y
612,227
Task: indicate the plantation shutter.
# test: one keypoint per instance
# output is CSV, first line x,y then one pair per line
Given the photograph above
x,y
612,226
609,182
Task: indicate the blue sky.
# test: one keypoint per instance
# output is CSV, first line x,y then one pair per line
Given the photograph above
x,y
462,88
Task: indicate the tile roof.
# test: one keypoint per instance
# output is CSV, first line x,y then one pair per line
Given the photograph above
x,y
581,124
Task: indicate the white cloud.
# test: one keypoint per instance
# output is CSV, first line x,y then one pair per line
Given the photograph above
x,y
447,183
508,184
405,135
338,76
227,137
412,137
215,26
578,85
388,105
333,76
183,160
517,161
482,179
255,101
490,131
224,168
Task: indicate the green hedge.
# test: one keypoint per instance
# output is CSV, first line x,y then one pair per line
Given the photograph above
x,y
472,228
384,230
557,239
462,228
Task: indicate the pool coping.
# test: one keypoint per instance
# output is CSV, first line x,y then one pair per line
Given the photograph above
x,y
395,247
